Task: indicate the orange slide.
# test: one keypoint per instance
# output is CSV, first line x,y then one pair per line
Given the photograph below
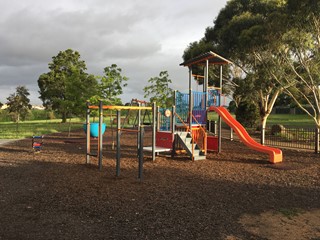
x,y
275,154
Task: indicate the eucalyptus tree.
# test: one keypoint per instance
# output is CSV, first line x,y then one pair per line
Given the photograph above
x,y
247,32
301,54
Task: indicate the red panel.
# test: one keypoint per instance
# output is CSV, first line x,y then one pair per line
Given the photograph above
x,y
164,139
212,143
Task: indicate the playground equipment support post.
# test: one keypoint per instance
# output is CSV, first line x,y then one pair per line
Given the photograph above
x,y
154,128
140,153
219,118
100,137
88,135
118,154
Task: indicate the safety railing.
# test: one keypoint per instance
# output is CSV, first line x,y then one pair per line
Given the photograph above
x,y
200,135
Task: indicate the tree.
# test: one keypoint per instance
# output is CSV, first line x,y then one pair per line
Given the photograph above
x,y
19,103
301,54
111,86
159,90
66,87
247,32
247,114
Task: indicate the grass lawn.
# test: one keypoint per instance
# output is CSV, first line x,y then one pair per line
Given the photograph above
x,y
10,130
287,120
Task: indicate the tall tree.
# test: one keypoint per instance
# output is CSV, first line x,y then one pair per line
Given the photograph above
x,y
19,103
111,85
301,55
159,90
66,87
244,32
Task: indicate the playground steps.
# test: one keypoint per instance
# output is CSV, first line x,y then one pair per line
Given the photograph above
x,y
186,141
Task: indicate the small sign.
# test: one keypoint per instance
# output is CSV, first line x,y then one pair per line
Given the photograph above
x,y
167,113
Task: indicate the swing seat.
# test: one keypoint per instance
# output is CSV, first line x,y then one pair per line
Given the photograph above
x,y
37,142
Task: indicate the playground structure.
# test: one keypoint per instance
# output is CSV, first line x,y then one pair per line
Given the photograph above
x,y
182,128
212,101
119,129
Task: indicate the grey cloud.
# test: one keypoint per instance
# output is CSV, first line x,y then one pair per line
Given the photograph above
x,y
142,37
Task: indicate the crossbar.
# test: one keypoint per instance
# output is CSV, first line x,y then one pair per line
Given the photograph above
x,y
121,107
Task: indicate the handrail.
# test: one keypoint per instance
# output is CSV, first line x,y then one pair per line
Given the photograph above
x,y
204,134
184,124
187,127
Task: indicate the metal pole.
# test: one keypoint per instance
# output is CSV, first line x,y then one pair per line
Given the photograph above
x,y
317,138
139,125
173,131
190,78
140,171
118,143
206,80
154,130
88,134
173,119
100,137
219,118
231,134
190,110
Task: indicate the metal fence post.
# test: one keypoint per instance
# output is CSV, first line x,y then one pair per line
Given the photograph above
x,y
317,132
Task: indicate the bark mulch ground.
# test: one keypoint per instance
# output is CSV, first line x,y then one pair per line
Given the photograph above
x,y
234,195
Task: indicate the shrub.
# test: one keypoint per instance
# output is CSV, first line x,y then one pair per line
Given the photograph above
x,y
247,114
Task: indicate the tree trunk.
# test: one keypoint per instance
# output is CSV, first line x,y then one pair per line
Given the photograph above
x,y
266,107
64,117
263,128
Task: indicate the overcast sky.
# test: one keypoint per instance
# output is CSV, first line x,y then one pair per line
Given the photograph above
x,y
142,37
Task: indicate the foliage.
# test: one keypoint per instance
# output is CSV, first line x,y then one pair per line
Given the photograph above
x,y
247,114
111,86
66,87
19,103
159,90
243,32
301,54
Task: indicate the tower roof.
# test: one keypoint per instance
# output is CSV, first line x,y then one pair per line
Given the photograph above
x,y
212,57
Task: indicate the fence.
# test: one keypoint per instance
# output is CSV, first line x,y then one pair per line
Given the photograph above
x,y
301,138
298,138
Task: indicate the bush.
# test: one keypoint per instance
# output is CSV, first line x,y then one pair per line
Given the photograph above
x,y
277,129
247,114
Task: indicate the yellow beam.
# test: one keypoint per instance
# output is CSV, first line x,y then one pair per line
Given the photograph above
x,y
121,107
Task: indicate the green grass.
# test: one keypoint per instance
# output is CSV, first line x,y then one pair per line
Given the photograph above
x,y
287,120
10,130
